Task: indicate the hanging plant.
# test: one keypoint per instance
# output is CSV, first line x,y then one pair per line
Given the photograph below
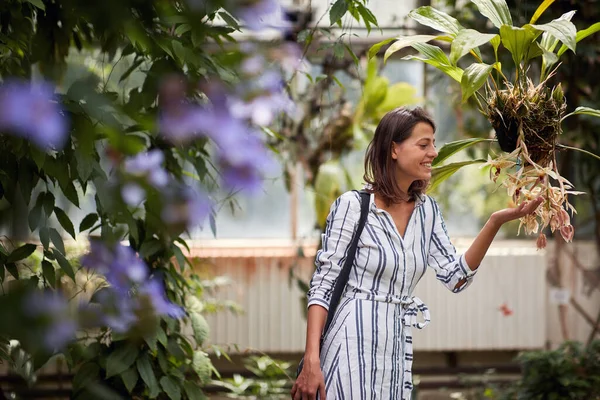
x,y
526,116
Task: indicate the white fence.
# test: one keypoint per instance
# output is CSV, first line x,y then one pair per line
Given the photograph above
x,y
504,309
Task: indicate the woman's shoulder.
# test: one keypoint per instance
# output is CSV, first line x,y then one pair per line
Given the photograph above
x,y
350,199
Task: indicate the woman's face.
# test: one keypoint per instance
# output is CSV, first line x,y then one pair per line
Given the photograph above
x,y
413,156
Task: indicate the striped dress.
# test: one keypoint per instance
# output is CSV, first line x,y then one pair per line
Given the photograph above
x,y
367,352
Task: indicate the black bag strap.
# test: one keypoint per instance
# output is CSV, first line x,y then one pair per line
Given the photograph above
x,y
342,280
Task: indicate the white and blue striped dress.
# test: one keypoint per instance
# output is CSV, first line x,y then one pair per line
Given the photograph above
x,y
367,352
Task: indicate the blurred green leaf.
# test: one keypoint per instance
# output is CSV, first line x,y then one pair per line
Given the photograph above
x,y
21,253
171,387
436,19
65,221
121,359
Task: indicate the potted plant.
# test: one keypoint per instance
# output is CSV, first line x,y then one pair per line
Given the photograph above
x,y
526,112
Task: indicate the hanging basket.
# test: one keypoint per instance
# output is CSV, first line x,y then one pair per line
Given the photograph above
x,y
532,114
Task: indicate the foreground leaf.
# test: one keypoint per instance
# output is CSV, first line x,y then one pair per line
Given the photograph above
x,y
581,35
21,253
467,40
561,29
540,10
121,359
518,40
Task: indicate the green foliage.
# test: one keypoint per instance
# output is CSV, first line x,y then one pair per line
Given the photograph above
x,y
270,380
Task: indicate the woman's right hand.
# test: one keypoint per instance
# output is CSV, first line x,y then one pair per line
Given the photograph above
x,y
309,382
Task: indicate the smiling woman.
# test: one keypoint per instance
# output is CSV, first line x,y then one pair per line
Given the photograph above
x,y
366,351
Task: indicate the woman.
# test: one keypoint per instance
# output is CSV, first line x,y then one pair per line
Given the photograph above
x,y
367,352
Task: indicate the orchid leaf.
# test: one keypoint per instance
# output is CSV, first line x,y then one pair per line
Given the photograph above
x,y
451,148
434,56
474,78
540,10
496,10
518,40
467,40
581,35
436,19
440,174
583,110
562,29
405,41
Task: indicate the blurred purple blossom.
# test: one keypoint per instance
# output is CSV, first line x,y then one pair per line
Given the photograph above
x,y
117,309
132,194
260,14
52,309
186,207
149,165
31,111
155,291
182,125
120,264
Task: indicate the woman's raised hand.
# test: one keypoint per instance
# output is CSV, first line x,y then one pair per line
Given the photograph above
x,y
509,214
309,382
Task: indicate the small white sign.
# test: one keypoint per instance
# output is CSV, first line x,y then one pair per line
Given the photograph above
x,y
560,296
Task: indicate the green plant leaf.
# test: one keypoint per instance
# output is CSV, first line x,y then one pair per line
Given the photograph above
x,y
451,148
193,391
12,269
517,40
45,237
440,174
200,328
434,56
562,29
88,221
85,374
121,359
57,240
474,78
436,19
405,41
65,265
581,35
540,10
583,110
171,387
337,11
36,213
65,221
496,10
130,378
562,146
467,40
496,43
147,375
377,46
48,204
21,253
38,3
49,273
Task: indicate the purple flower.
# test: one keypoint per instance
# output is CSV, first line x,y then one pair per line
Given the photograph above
x,y
244,166
187,207
182,125
149,165
155,291
120,264
51,310
117,310
30,110
254,13
132,194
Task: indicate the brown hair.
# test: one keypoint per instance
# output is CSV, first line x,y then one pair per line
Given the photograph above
x,y
380,171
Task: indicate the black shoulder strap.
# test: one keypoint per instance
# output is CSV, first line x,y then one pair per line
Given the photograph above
x,y
342,280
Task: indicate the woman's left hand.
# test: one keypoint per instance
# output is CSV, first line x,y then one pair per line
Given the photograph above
x,y
510,214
